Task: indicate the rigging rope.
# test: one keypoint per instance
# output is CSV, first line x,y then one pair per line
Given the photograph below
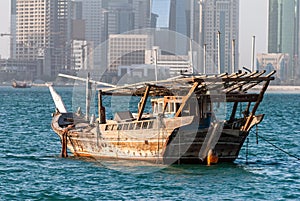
x,y
280,149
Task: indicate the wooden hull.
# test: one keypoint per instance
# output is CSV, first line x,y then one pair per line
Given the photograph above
x,y
151,142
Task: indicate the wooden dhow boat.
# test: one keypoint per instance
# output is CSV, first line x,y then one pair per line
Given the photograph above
x,y
184,125
19,84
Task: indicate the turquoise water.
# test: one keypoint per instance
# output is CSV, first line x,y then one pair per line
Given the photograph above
x,y
31,169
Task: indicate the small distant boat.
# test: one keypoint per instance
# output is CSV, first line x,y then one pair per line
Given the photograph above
x,y
183,126
19,84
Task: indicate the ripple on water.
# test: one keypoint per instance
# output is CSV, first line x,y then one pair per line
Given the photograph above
x,y
30,166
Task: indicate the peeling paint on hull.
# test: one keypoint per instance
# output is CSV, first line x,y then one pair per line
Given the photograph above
x,y
165,147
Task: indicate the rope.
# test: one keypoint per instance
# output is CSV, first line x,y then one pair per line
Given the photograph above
x,y
64,141
275,146
247,151
280,149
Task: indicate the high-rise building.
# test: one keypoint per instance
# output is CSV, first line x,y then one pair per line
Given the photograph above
x,y
105,17
126,15
284,32
201,21
13,27
220,17
180,17
92,16
127,49
41,31
184,19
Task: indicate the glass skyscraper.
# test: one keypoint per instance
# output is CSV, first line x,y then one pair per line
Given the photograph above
x,y
201,20
283,36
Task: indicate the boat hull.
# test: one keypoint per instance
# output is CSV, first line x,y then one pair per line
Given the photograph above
x,y
156,143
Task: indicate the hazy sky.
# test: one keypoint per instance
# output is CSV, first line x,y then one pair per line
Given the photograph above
x,y
253,21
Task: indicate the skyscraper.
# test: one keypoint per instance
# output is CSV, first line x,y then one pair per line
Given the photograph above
x,y
220,16
284,32
93,19
105,17
40,31
180,17
184,19
126,15
201,21
13,27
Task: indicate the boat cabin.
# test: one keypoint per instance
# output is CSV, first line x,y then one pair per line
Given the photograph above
x,y
167,105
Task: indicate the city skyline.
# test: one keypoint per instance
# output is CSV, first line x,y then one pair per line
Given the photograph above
x,y
250,24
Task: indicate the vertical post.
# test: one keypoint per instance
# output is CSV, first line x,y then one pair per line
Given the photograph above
x,y
235,105
204,59
88,97
83,56
191,57
253,54
155,64
233,56
101,109
200,38
219,52
192,20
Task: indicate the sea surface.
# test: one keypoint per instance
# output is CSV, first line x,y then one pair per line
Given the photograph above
x,y
31,167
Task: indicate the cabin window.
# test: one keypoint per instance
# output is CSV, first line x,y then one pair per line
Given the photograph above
x,y
172,108
111,127
155,109
125,127
138,125
145,125
150,125
160,107
131,126
119,127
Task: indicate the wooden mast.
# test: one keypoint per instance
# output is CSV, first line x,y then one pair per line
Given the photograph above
x,y
186,98
101,109
143,103
259,99
88,97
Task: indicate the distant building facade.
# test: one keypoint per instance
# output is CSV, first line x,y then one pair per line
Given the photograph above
x,y
41,31
127,49
274,61
177,64
201,21
185,18
220,16
18,69
143,72
80,54
105,17
283,33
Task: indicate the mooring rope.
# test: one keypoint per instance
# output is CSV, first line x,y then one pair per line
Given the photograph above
x,y
275,146
280,149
